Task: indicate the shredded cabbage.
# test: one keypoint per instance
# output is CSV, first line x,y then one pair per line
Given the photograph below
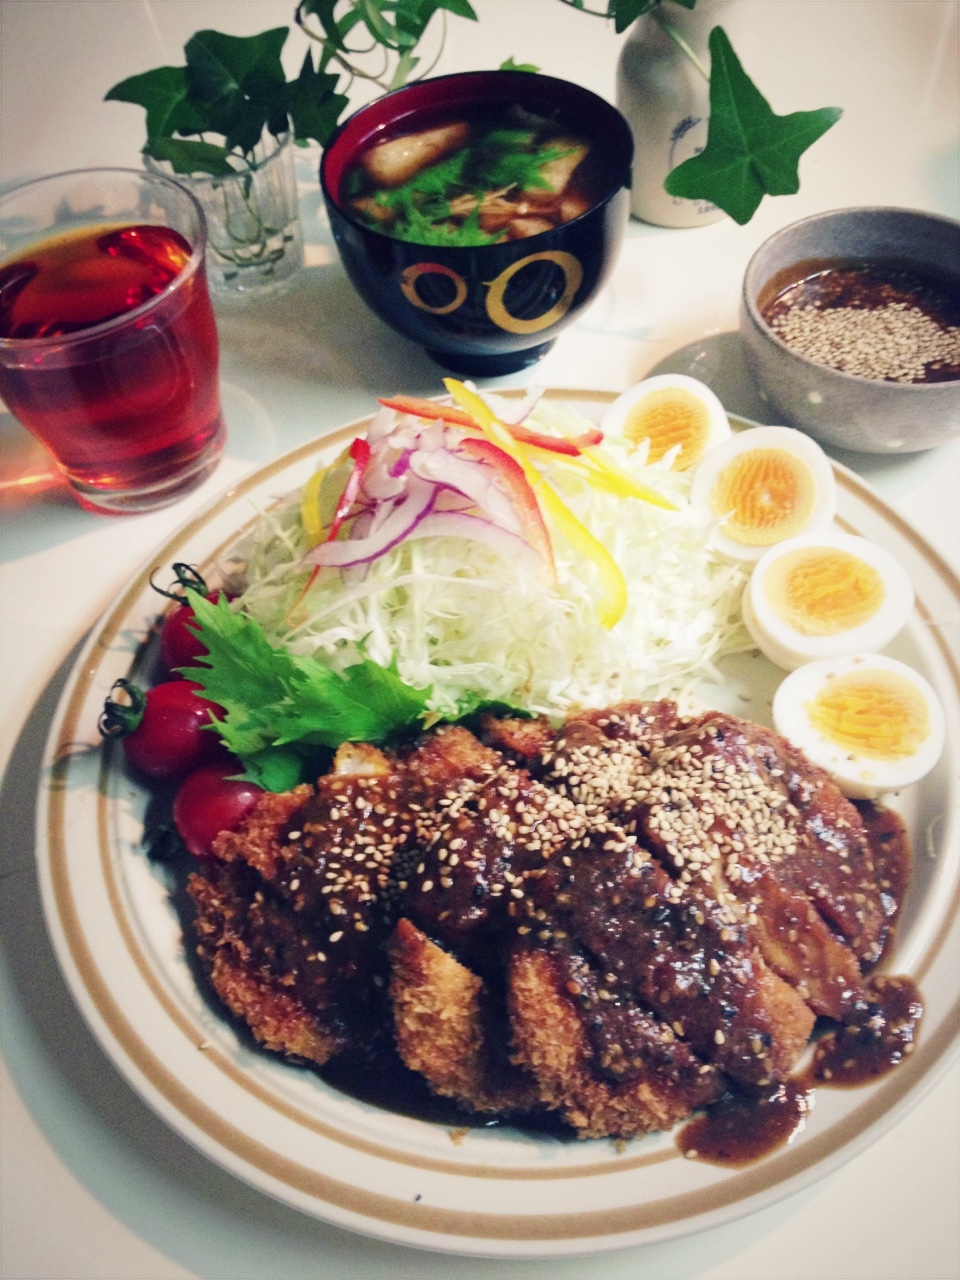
x,y
475,626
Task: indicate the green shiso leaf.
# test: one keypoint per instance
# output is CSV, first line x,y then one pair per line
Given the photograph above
x,y
279,709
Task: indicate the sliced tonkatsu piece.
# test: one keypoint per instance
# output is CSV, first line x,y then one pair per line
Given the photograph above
x,y
452,1029
519,738
829,858
261,840
609,1068
453,883
524,859
242,954
295,909
678,953
714,799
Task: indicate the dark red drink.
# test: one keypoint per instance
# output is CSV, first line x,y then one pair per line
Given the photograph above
x,y
109,354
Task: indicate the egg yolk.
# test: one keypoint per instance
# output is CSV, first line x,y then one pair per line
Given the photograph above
x,y
669,417
768,495
876,714
819,591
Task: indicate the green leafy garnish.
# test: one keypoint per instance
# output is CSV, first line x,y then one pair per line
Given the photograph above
x,y
423,210
750,151
282,711
509,64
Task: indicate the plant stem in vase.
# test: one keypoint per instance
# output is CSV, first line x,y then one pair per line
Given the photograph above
x,y
255,243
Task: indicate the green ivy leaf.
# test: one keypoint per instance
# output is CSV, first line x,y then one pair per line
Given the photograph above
x,y
164,94
314,105
240,81
189,155
411,17
626,12
750,151
223,67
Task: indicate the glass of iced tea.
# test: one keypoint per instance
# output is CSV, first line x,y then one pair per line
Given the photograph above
x,y
108,344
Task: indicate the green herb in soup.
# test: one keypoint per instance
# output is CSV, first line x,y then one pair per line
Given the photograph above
x,y
475,180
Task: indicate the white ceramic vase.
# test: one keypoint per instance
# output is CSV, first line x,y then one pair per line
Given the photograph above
x,y
665,100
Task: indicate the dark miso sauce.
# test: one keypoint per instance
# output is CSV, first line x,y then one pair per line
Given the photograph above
x,y
744,1124
741,1128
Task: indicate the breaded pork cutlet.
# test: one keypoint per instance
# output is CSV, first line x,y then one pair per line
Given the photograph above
x,y
246,977
294,914
615,919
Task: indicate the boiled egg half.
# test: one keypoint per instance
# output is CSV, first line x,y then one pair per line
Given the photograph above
x,y
764,485
672,417
870,721
823,595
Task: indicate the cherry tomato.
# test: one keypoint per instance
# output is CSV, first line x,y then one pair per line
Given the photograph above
x,y
180,646
209,801
163,730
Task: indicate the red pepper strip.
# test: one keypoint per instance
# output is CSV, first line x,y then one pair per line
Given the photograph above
x,y
422,408
360,456
511,476
555,444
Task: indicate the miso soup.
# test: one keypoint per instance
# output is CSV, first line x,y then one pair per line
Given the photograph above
x,y
481,177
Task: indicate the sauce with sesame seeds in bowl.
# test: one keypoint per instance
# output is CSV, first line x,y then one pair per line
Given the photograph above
x,y
883,320
850,324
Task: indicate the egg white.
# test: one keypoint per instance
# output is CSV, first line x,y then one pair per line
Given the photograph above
x,y
615,420
781,439
857,775
787,646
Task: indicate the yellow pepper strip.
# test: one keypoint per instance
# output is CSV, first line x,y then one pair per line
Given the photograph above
x,y
310,515
613,585
608,477
622,481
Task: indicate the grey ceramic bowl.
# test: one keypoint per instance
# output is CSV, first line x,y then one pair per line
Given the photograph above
x,y
863,414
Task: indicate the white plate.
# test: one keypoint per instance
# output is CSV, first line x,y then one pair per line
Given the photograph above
x,y
497,1193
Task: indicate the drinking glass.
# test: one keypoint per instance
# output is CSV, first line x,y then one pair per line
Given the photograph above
x,y
108,343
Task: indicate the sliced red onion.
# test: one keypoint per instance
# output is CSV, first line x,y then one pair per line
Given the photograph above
x,y
455,524
472,479
381,425
391,523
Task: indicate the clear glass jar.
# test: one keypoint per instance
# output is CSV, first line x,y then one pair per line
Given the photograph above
x,y
254,238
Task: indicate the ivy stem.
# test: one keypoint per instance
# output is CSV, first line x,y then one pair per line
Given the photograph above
x,y
668,29
654,10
